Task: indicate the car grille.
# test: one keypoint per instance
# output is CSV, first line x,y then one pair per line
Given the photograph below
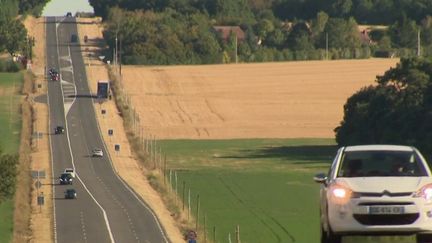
x,y
400,219
380,194
384,203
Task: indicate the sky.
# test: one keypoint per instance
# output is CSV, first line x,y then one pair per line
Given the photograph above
x,y
61,7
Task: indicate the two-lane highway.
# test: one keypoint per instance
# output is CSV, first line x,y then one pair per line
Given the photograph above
x,y
106,209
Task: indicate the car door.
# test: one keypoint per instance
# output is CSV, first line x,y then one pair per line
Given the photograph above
x,y
324,187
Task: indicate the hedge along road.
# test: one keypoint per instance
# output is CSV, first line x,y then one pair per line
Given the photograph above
x,y
106,210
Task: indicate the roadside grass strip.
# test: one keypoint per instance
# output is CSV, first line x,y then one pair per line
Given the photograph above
x,y
6,222
10,118
10,123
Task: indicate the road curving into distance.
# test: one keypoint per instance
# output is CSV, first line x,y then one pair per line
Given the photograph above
x,y
106,209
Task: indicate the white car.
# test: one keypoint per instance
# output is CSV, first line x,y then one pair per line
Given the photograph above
x,y
70,171
97,152
376,190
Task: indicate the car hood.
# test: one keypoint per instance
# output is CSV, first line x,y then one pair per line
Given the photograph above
x,y
380,184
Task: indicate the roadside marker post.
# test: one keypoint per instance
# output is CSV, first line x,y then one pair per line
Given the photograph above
x,y
110,133
117,148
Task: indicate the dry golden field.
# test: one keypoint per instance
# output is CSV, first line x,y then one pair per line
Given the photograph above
x,y
267,100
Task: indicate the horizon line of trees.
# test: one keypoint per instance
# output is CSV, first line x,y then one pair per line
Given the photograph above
x,y
180,32
170,37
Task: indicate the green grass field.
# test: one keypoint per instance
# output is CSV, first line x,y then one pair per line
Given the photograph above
x,y
263,186
10,120
10,123
6,222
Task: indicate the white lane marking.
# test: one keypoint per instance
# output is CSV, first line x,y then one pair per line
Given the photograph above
x,y
83,228
52,162
72,157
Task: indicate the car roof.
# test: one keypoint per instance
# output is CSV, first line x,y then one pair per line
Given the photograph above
x,y
379,147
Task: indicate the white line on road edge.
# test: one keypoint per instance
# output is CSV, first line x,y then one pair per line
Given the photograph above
x,y
52,162
72,158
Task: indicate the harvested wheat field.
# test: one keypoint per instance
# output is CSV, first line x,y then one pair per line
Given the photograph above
x,y
268,100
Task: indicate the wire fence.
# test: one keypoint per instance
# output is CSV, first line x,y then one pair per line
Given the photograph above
x,y
180,200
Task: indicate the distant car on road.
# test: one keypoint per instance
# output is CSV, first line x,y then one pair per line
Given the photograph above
x,y
71,171
59,130
66,179
376,189
68,14
74,38
97,152
54,75
70,194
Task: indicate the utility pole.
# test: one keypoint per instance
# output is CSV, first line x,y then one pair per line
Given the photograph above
x,y
326,46
120,57
418,44
236,54
116,50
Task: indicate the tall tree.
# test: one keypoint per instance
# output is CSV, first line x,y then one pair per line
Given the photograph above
x,y
300,38
398,110
404,33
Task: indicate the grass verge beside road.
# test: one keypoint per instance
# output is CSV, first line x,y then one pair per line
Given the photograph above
x,y
6,222
10,121
262,186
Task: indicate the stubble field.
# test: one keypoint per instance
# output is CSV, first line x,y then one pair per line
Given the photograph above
x,y
269,100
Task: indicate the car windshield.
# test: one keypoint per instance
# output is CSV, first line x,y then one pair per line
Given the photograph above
x,y
381,163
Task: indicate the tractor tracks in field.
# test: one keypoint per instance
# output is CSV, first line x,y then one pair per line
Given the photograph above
x,y
258,214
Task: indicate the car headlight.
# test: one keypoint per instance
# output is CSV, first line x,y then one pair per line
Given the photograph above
x,y
425,192
340,194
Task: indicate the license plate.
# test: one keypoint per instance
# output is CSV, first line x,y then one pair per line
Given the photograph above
x,y
386,210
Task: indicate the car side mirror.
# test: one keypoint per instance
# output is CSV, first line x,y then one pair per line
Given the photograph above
x,y
320,178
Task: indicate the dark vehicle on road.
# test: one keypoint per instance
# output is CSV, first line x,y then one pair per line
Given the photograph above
x,y
66,179
55,76
74,38
59,130
70,194
68,14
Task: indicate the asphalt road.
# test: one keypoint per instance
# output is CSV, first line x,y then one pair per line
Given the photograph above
x,y
106,209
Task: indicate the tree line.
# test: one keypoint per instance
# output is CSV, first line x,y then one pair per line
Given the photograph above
x,y
181,32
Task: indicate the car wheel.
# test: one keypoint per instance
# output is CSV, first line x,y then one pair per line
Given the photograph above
x,y
329,236
424,238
